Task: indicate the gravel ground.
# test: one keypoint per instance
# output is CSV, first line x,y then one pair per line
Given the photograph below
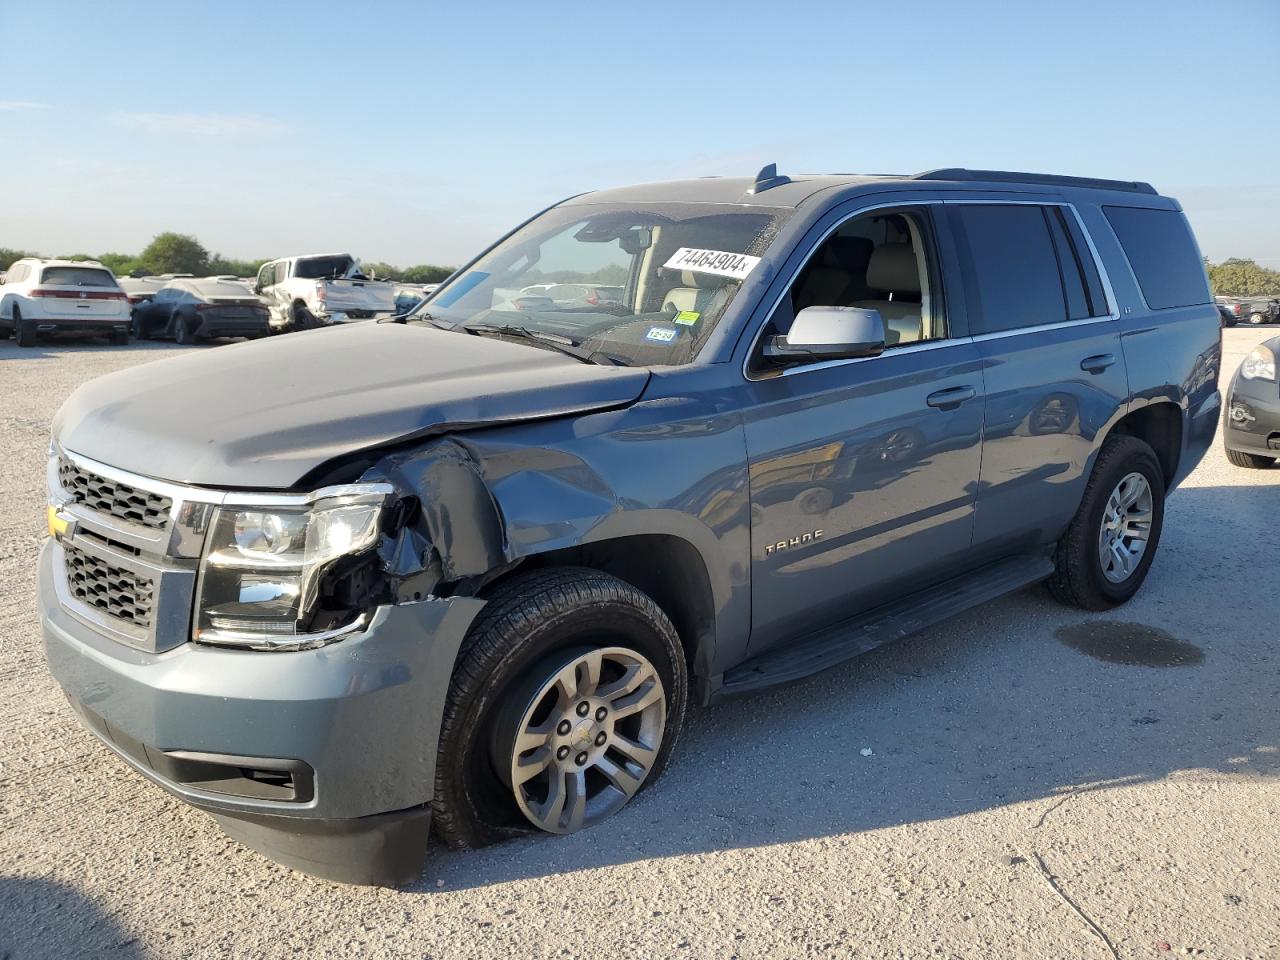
x,y
1016,778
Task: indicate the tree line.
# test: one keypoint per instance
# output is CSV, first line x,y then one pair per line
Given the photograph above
x,y
182,253
1243,278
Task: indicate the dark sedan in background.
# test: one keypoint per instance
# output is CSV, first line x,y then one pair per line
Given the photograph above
x,y
200,309
1252,431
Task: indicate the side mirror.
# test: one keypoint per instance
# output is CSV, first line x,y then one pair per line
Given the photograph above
x,y
829,333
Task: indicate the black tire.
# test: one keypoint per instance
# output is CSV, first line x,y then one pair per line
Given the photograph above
x,y
301,318
137,328
1078,579
26,332
182,332
1250,461
1257,319
527,622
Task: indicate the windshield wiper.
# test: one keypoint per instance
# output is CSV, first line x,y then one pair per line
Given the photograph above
x,y
563,344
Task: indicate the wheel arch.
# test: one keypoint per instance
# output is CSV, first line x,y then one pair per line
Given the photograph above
x,y
668,568
1160,426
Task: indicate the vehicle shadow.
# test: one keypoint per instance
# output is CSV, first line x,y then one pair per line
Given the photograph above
x,y
1004,705
43,919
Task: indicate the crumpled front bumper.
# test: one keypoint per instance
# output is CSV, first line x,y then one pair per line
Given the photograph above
x,y
361,715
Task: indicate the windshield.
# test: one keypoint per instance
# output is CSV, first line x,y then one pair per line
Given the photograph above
x,y
640,284
326,268
77,277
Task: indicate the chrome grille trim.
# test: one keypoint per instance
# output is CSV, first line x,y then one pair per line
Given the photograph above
x,y
112,497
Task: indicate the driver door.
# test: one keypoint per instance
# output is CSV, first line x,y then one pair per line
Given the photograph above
x,y
864,472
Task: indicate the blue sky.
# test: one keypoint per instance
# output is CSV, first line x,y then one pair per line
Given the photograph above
x,y
417,132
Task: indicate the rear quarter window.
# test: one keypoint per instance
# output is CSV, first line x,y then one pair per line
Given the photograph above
x,y
1163,255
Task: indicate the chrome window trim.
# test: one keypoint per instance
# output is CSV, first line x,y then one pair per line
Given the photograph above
x,y
1104,278
828,364
920,347
1040,328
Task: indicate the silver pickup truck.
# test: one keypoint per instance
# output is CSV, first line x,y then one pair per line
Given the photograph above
x,y
321,289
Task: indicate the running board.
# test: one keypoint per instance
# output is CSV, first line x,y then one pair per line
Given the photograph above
x,y
850,638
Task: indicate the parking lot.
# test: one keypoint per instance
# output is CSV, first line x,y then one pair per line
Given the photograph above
x,y
1033,772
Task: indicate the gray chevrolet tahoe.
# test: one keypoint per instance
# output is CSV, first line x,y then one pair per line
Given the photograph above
x,y
466,569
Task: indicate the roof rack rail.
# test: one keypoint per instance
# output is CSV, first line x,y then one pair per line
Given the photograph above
x,y
1048,179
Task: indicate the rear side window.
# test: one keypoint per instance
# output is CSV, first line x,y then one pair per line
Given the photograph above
x,y
77,277
1163,255
1014,279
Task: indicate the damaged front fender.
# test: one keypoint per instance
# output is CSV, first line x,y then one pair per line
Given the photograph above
x,y
450,530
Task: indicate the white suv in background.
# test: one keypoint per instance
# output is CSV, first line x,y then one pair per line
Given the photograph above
x,y
62,296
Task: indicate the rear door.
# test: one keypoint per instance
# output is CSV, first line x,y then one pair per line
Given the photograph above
x,y
1045,325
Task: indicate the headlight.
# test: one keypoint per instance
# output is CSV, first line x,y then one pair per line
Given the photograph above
x,y
1260,364
262,567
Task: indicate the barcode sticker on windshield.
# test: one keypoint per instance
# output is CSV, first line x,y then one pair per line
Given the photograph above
x,y
719,262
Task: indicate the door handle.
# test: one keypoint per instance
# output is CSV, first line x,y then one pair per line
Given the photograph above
x,y
951,397
1097,364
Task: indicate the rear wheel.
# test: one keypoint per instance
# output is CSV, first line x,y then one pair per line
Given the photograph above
x,y
1105,554
182,330
137,328
567,698
1257,319
1250,461
24,330
302,318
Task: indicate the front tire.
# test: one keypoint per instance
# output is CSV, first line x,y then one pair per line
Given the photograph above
x,y
567,698
1105,554
1250,461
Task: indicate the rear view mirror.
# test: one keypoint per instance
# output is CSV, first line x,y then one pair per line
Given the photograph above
x,y
829,333
636,240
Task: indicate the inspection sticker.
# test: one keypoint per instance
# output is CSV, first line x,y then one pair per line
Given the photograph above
x,y
687,318
660,334
719,262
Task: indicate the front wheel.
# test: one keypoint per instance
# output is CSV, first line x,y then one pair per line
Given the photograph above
x,y
1105,554
567,698
1250,461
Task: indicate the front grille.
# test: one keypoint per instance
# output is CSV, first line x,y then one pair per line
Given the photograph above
x,y
113,590
113,498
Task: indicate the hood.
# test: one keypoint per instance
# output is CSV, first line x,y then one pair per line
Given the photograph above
x,y
264,414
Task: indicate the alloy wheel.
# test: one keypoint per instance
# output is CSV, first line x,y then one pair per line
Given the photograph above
x,y
587,739
1126,527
